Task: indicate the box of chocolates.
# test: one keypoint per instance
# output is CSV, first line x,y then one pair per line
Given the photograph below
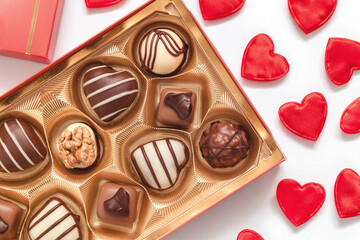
x,y
129,136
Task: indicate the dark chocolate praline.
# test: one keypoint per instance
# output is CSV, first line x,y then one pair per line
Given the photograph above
x,y
224,144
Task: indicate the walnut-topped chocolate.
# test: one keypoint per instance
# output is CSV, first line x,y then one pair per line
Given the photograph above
x,y
78,146
224,144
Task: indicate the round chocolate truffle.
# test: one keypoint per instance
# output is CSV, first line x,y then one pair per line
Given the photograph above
x,y
224,144
20,147
162,52
78,146
109,92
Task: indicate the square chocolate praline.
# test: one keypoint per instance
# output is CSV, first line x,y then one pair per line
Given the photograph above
x,y
107,191
10,215
178,113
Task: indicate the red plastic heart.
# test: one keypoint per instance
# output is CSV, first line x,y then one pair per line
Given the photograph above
x,y
347,193
215,9
260,63
342,57
350,119
299,203
248,234
100,3
311,14
306,119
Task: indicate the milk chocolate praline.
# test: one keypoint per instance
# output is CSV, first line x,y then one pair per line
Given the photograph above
x,y
162,52
20,147
176,107
10,215
117,204
224,144
78,146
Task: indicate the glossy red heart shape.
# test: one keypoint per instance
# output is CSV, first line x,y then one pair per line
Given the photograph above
x,y
347,193
299,203
100,3
311,14
306,119
350,119
249,234
260,63
342,57
215,9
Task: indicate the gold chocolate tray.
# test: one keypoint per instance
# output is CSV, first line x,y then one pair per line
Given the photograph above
x,y
54,97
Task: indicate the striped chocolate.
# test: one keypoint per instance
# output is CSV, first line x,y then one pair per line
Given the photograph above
x,y
109,92
162,52
20,147
160,162
53,221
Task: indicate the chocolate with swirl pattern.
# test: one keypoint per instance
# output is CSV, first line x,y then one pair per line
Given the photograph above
x,y
224,144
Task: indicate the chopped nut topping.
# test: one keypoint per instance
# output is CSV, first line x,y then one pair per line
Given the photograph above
x,y
78,149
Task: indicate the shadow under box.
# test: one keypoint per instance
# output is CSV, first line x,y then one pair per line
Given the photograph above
x,y
57,125
111,87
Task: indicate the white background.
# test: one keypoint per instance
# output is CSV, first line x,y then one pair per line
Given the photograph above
x,y
255,205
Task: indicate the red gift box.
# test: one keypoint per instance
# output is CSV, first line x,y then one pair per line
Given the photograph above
x,y
29,28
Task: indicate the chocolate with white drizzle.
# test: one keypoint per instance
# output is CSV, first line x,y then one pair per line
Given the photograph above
x,y
54,220
224,144
162,52
109,92
20,147
160,162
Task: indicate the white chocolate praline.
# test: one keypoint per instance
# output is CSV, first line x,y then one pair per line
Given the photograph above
x,y
159,163
54,221
78,146
162,51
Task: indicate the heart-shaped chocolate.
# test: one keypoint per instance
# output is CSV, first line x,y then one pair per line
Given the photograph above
x,y
159,162
110,92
